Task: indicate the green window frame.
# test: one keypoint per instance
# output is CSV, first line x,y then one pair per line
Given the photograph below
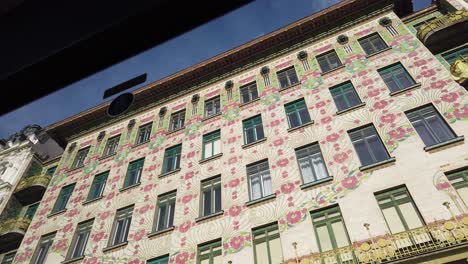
x,y
267,244
42,249
159,260
210,202
260,184
51,170
80,158
63,198
97,186
31,210
330,230
248,92
396,77
172,158
345,96
287,77
459,181
164,217
177,121
459,53
80,240
398,209
328,61
134,171
211,144
8,258
297,113
111,146
121,226
210,253
212,106
368,145
253,129
372,44
144,133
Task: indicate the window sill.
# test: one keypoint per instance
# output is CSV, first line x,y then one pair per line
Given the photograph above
x,y
107,249
160,232
129,187
378,52
210,158
378,164
445,144
56,213
140,144
175,131
333,70
168,173
211,116
290,86
301,126
207,217
260,200
92,200
350,109
250,102
67,261
407,89
108,156
254,143
316,183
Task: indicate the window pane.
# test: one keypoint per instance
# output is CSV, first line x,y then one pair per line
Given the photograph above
x,y
424,133
208,150
393,220
378,149
293,120
411,216
440,128
304,114
363,153
217,191
260,134
250,135
275,251
256,188
162,217
340,234
261,253
207,202
463,192
267,185
319,167
306,169
216,147
324,238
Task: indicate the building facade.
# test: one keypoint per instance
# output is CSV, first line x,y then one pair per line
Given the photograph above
x,y
341,147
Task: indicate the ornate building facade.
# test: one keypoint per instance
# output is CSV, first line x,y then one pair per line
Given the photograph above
x,y
336,139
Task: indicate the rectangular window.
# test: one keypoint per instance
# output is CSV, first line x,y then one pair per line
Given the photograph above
x,y
159,260
165,212
211,196
42,249
212,106
253,129
328,61
267,244
31,211
134,171
172,158
459,181
259,180
248,92
111,145
50,171
63,198
80,158
430,126
177,121
396,77
372,44
121,226
345,96
98,185
211,144
311,163
368,145
297,113
8,258
210,253
287,77
144,133
399,211
456,54
80,239
330,230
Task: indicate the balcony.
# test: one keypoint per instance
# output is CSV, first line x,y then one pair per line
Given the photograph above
x,y
451,26
12,232
31,189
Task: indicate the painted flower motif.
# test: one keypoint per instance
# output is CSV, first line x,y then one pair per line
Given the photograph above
x,y
232,160
237,242
340,157
373,92
68,227
461,112
37,224
135,261
233,183
182,258
185,227
144,209
450,97
397,133
29,240
105,215
92,260
428,73
235,210
333,137
420,63
438,85
189,175
320,104
380,104
98,236
275,123
442,186
282,162
110,196
148,188
367,82
388,118
278,142
287,188
191,154
72,212
231,140
294,217
187,198
349,182
60,245
326,120
139,235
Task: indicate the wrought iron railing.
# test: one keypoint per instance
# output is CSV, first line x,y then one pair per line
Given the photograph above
x,y
17,224
441,22
38,180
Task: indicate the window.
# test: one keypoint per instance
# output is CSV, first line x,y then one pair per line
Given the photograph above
x,y
177,120
399,211
253,129
248,92
31,211
134,171
459,181
212,106
165,212
297,113
172,159
345,96
121,226
259,180
80,239
456,54
80,158
430,126
368,145
287,77
267,245
210,253
330,230
144,133
8,258
328,61
211,144
63,198
113,143
311,163
42,249
97,187
160,260
50,171
372,44
396,77
211,196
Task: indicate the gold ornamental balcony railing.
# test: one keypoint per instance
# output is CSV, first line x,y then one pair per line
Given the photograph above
x,y
438,236
441,22
14,225
38,180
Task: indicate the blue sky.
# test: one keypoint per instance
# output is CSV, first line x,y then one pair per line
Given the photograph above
x,y
219,35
